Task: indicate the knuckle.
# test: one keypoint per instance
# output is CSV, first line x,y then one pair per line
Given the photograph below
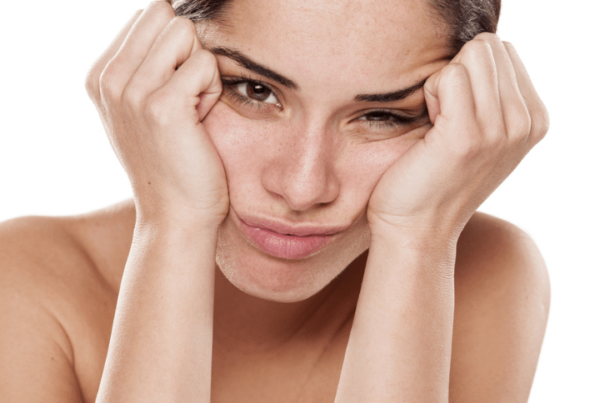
x,y
511,50
453,70
92,85
478,48
508,45
451,75
162,7
487,37
204,62
207,60
519,125
472,45
540,124
107,83
185,25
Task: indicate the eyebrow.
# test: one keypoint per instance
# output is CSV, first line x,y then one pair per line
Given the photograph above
x,y
390,96
247,63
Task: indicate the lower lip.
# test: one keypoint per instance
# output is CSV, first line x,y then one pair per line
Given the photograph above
x,y
284,246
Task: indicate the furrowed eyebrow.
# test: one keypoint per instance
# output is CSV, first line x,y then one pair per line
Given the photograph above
x,y
390,96
244,61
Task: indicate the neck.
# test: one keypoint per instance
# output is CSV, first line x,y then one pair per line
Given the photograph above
x,y
244,323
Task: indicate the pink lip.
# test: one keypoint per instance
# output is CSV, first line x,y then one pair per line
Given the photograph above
x,y
286,241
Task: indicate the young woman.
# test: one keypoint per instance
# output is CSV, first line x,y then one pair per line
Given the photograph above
x,y
303,225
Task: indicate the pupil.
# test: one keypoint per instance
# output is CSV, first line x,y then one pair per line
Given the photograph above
x,y
258,92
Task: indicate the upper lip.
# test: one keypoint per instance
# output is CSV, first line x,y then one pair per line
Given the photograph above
x,y
291,229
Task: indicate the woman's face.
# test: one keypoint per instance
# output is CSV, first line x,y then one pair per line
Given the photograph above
x,y
306,140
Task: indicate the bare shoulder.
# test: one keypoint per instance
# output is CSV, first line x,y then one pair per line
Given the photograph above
x,y
56,305
34,250
493,250
502,305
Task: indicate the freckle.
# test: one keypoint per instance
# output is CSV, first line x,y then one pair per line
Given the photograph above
x,y
148,183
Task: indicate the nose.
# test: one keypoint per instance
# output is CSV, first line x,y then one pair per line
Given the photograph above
x,y
303,172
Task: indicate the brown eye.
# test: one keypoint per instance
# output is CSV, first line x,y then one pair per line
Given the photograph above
x,y
257,92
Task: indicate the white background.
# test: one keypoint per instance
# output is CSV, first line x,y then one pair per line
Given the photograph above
x,y
55,159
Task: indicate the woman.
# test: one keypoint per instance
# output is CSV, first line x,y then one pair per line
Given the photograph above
x,y
329,157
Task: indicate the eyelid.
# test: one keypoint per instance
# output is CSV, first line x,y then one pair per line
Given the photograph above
x,y
243,78
229,85
406,117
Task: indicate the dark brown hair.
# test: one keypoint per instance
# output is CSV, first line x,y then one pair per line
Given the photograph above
x,y
462,19
465,19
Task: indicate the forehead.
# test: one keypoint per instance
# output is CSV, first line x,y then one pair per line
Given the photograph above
x,y
335,40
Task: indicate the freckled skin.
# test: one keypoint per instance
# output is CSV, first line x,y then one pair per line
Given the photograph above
x,y
281,328
309,163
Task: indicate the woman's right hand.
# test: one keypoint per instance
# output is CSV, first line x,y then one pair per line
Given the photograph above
x,y
153,87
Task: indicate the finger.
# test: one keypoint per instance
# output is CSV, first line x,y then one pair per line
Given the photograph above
x,y
537,111
194,88
93,76
449,96
478,58
430,90
138,42
172,47
516,116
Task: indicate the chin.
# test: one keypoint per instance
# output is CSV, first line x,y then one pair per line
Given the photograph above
x,y
260,275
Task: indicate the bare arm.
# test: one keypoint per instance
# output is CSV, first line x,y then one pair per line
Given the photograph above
x,y
486,116
495,322
161,343
152,88
400,345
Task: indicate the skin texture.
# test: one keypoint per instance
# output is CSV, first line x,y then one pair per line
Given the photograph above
x,y
282,329
311,162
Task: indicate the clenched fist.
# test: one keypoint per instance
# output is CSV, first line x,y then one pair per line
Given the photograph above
x,y
486,116
153,87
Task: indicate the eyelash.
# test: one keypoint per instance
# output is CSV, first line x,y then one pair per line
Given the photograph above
x,y
229,83
398,120
235,96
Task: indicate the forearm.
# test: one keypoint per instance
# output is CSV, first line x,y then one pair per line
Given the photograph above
x,y
400,344
161,342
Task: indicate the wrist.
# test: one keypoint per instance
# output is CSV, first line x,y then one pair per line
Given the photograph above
x,y
166,234
426,229
168,217
428,245
418,257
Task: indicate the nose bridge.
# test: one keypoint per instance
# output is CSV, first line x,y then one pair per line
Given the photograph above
x,y
306,173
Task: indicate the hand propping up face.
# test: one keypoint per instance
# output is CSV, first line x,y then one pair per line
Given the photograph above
x,y
152,87
486,116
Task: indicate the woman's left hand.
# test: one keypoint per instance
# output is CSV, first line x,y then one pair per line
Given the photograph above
x,y
486,116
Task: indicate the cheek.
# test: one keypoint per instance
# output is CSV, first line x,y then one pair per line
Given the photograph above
x,y
362,165
230,136
246,148
249,147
